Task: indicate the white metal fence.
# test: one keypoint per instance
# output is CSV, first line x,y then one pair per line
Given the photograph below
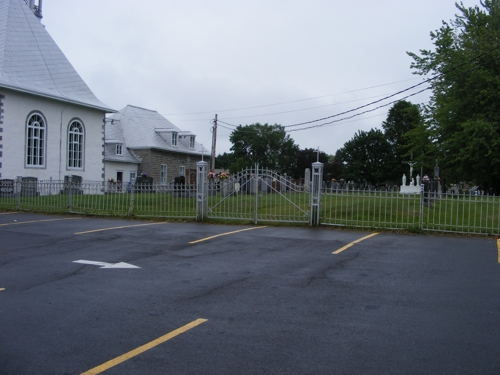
x,y
258,196
100,198
370,209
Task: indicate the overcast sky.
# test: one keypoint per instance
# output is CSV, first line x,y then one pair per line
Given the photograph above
x,y
276,62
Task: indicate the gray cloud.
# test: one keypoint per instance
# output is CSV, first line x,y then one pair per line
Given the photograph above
x,y
191,59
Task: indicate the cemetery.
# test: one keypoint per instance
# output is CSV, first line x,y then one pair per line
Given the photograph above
x,y
261,196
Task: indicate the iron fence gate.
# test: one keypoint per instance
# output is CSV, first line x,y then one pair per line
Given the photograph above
x,y
259,195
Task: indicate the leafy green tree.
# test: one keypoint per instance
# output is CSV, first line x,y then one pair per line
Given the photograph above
x,y
403,119
268,145
367,157
422,148
334,169
304,159
464,108
224,161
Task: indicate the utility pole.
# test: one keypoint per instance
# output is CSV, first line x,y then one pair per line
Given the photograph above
x,y
214,141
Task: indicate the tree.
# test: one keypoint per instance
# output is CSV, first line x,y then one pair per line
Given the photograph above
x,y
465,99
404,119
304,159
367,157
224,161
334,169
268,145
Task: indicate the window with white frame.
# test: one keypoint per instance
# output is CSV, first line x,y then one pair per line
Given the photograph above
x,y
182,170
174,138
191,141
119,149
163,174
75,145
132,176
36,131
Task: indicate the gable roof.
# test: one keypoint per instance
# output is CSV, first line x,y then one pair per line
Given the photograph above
x,y
114,136
145,129
31,62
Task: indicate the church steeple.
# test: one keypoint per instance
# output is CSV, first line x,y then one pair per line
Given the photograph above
x,y
36,8
31,62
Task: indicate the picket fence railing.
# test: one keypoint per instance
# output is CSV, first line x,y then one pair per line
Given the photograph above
x,y
263,200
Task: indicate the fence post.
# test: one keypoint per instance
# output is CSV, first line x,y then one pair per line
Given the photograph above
x,y
256,192
70,193
201,190
315,194
131,206
17,190
421,216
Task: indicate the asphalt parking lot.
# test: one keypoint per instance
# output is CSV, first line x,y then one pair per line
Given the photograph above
x,y
92,295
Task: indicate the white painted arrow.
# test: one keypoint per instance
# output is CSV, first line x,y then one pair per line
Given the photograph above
x,y
106,265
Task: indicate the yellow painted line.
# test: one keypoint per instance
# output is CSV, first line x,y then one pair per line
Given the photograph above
x,y
38,221
7,213
225,234
113,228
498,247
143,348
2,289
353,243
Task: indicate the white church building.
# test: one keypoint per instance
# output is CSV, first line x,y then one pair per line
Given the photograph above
x,y
51,124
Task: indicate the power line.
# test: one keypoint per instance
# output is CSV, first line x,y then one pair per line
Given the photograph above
x,y
384,98
358,114
351,110
287,102
305,109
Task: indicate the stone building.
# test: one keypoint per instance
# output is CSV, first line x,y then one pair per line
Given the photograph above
x,y
159,148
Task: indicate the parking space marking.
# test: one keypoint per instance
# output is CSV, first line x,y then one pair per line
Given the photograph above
x,y
224,234
124,357
121,227
7,213
38,221
353,243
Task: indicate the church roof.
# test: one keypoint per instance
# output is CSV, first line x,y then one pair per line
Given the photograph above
x,y
145,129
31,62
114,136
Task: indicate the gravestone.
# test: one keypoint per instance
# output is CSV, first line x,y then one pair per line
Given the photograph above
x,y
276,186
412,188
144,184
307,180
29,187
227,187
6,188
179,186
73,187
283,184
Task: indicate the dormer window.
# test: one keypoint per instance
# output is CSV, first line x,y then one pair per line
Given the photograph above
x,y
119,150
191,141
174,139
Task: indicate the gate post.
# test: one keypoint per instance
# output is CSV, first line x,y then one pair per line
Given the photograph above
x,y
256,191
201,190
131,203
315,194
